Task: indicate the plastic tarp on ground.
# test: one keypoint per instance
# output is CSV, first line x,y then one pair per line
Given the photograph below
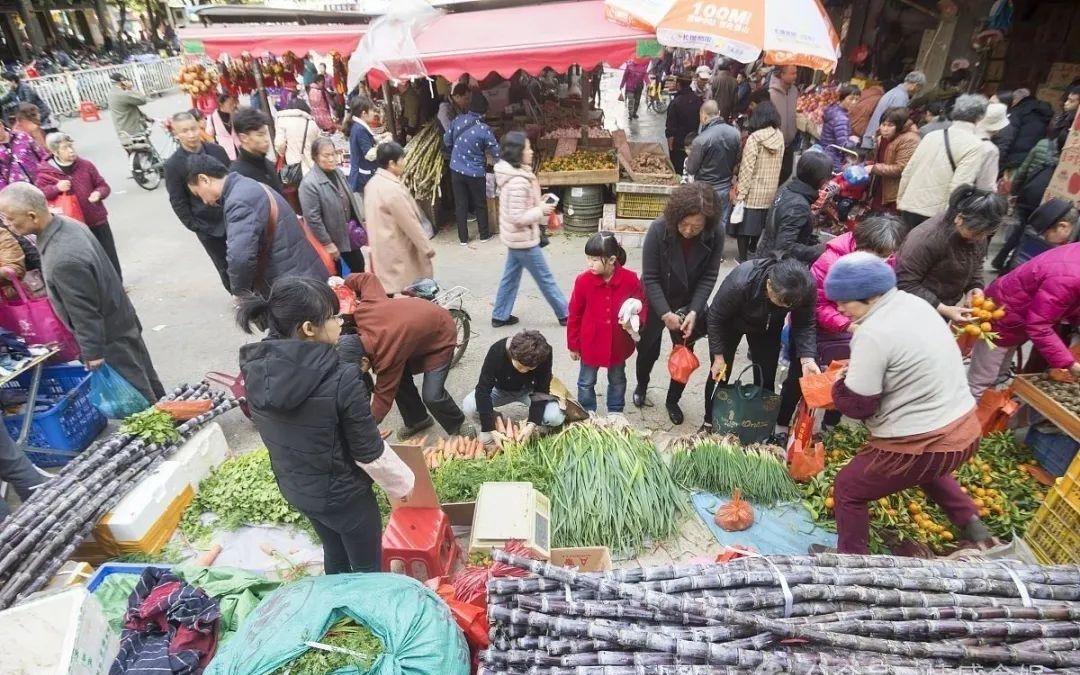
x,y
528,38
416,628
261,40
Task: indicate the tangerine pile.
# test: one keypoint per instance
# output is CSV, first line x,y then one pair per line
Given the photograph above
x,y
984,312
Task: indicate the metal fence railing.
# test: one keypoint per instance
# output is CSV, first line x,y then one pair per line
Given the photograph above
x,y
64,92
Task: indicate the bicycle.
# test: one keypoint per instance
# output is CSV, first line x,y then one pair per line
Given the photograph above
x,y
657,99
428,289
147,164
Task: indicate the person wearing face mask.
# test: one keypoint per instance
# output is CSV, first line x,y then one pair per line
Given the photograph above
x,y
331,209
311,410
400,250
906,382
680,262
252,128
941,260
67,173
207,221
897,138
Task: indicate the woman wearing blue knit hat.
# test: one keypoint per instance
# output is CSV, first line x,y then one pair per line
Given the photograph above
x,y
906,381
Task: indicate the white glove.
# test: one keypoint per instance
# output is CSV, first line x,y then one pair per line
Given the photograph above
x,y
630,317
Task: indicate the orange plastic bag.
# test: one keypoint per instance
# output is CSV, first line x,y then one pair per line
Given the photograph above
x,y
682,363
554,221
736,515
472,620
817,387
995,408
806,459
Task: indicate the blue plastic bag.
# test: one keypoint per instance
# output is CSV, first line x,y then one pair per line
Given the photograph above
x,y
113,395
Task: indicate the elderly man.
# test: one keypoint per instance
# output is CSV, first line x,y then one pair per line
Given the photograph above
x,y
784,95
943,161
714,156
897,97
84,288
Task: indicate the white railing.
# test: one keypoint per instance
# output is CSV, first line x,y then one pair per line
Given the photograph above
x,y
64,92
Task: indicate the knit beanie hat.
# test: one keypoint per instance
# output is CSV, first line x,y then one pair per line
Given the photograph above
x,y
858,276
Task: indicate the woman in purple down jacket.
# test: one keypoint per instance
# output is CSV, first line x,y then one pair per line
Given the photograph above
x,y
19,157
836,124
1037,296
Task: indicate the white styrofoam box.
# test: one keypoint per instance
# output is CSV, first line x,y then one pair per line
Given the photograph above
x,y
63,633
133,517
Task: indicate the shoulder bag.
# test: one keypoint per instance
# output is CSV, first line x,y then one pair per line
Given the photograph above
x,y
948,148
292,174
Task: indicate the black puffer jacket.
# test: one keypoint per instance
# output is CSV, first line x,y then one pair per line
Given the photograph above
x,y
741,304
675,279
312,412
1030,118
789,225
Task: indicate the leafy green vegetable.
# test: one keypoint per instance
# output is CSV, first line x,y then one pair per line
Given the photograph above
x,y
346,634
239,492
151,425
459,480
721,465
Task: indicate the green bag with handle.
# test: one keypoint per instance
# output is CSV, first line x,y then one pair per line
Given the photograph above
x,y
747,411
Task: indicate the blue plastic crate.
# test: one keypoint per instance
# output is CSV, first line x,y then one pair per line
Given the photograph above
x,y
1054,452
69,426
118,568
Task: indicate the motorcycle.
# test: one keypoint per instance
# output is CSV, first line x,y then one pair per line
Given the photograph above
x,y
842,202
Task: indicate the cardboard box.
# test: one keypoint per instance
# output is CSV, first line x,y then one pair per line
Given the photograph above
x,y
585,558
423,494
1065,183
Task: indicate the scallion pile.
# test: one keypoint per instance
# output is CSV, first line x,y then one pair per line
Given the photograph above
x,y
720,465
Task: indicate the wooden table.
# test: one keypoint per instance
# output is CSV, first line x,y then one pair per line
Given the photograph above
x,y
1064,419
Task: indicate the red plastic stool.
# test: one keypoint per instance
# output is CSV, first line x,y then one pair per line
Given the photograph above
x,y
88,111
419,543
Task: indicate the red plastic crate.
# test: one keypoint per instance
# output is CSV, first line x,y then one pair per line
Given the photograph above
x,y
419,543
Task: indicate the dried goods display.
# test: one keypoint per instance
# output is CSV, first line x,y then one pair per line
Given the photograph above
x,y
1064,392
997,478
581,160
647,162
784,614
576,131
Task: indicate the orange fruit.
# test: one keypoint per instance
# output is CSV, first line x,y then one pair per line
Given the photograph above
x,y
829,503
884,501
989,305
976,301
972,329
947,536
998,313
986,327
979,502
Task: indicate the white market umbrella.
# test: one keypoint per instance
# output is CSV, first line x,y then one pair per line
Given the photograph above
x,y
790,32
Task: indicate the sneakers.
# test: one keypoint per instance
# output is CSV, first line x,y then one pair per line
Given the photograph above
x,y
408,432
508,321
487,238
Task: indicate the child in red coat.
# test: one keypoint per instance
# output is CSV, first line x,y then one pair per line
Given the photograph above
x,y
595,333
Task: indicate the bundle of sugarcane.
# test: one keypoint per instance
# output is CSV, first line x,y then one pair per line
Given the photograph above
x,y
423,164
719,464
38,538
790,614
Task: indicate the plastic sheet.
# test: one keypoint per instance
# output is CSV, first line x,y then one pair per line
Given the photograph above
x,y
389,46
782,529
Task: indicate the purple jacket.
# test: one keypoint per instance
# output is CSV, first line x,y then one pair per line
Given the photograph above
x,y
835,130
1037,296
85,179
19,159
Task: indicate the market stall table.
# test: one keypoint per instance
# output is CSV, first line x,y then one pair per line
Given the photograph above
x,y
1064,419
34,365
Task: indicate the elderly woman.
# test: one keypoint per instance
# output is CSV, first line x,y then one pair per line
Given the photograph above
x,y
521,211
897,138
19,157
942,259
331,209
1035,297
679,262
400,250
28,121
67,173
906,381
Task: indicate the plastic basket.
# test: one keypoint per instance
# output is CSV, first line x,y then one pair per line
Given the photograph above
x,y
1069,484
1054,451
117,568
640,206
69,426
1054,533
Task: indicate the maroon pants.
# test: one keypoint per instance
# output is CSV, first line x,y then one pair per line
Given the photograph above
x,y
857,485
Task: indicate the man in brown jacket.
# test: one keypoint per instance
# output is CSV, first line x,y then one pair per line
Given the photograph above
x,y
860,114
403,337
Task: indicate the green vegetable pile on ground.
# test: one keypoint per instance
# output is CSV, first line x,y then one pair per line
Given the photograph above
x,y
241,491
459,480
358,646
997,478
720,465
151,425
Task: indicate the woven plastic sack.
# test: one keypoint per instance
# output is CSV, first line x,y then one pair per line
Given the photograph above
x,y
418,633
113,395
682,363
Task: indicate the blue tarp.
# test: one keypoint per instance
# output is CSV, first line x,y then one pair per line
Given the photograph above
x,y
782,529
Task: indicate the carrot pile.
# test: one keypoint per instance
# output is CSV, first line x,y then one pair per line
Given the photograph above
x,y
510,431
456,447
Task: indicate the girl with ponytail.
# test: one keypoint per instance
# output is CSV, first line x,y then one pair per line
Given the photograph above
x,y
606,309
312,411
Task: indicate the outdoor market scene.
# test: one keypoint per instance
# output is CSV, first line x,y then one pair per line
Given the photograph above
x,y
792,384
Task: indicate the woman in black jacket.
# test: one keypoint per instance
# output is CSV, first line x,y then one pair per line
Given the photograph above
x,y
680,262
311,410
789,224
753,301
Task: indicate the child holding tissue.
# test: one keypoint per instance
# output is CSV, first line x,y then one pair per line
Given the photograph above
x,y
607,308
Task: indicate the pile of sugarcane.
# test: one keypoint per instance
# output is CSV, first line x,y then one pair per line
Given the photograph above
x,y
44,532
423,170
786,614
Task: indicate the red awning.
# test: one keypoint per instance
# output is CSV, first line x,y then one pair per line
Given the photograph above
x,y
260,40
528,38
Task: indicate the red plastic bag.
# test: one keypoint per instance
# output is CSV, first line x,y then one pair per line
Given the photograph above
x,y
736,515
472,620
817,387
806,459
995,408
682,363
67,204
554,221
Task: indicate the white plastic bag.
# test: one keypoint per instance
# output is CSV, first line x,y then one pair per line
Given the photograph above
x,y
737,213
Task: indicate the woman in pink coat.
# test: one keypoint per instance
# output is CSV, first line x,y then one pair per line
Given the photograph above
x,y
1037,296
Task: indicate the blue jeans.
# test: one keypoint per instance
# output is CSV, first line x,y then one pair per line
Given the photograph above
x,y
531,259
616,387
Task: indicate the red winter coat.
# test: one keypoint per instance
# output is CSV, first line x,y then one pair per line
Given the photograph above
x,y
84,180
829,318
592,329
1037,296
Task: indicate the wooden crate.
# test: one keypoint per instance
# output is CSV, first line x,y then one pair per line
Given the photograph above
x,y
1051,409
